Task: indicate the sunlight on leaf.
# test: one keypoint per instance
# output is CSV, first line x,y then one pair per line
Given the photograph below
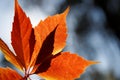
x,y
66,66
38,50
9,74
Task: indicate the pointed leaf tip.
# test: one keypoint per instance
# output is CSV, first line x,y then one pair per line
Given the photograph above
x,y
66,11
16,2
93,62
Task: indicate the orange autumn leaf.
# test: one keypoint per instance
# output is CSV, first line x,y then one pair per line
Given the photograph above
x,y
66,66
9,55
38,50
50,37
9,74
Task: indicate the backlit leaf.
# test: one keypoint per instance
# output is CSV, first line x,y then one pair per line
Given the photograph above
x,y
9,74
50,36
9,55
21,36
38,50
65,66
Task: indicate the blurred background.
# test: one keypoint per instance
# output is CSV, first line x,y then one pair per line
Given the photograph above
x,y
93,31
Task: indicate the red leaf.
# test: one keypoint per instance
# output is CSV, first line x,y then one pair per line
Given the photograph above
x,y
21,36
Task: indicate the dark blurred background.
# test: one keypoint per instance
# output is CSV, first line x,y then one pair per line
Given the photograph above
x,y
93,31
